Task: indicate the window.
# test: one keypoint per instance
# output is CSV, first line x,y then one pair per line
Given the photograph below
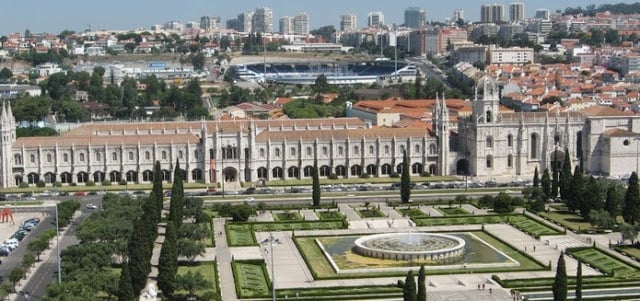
x,y
147,155
489,162
309,151
510,140
371,150
195,154
386,149
340,151
130,156
417,149
292,151
489,142
17,159
489,116
510,161
262,153
98,157
164,155
48,158
325,151
180,154
277,152
534,146
432,149
32,159
556,139
356,150
114,156
81,157
65,158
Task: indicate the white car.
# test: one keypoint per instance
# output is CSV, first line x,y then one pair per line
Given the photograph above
x,y
92,206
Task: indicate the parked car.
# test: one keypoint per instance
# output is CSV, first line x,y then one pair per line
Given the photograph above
x,y
4,252
79,193
92,206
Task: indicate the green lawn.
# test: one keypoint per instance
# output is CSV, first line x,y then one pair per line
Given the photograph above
x,y
251,279
287,216
452,211
631,251
568,220
242,234
329,215
208,270
462,220
604,262
370,213
331,293
349,181
411,212
531,227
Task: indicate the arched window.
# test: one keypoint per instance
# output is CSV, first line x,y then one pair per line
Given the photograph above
x,y
386,149
17,159
371,150
98,157
180,154
81,157
65,158
164,155
309,151
509,140
32,158
489,116
340,151
48,158
325,151
130,156
489,142
556,139
292,152
510,161
114,156
416,149
262,173
534,146
356,150
277,152
432,149
147,155
489,162
262,153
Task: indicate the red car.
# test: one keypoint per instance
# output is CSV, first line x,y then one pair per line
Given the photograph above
x,y
79,193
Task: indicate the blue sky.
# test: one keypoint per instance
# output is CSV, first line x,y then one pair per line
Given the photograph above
x,y
54,16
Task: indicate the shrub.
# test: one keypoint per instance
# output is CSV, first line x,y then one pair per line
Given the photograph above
x,y
394,175
517,202
122,182
90,183
73,184
57,184
333,176
364,176
41,184
106,183
425,174
485,201
24,185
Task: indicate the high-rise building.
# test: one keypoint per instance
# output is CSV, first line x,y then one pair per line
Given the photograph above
x,y
301,24
263,20
242,23
375,19
414,17
348,23
209,23
491,13
516,12
542,14
458,14
286,25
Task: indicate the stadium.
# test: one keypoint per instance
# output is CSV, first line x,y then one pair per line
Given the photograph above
x,y
337,73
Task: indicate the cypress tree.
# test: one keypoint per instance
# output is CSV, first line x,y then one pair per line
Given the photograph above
x,y
140,252
546,184
565,177
592,199
168,261
612,202
579,282
578,188
409,290
156,195
422,285
315,193
176,205
560,281
536,178
555,170
631,205
405,180
125,290
418,86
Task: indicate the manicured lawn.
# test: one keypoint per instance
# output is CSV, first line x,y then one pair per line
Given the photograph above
x,y
452,211
287,216
242,234
208,270
371,213
604,262
568,220
329,293
329,215
357,181
462,220
631,251
530,226
251,279
411,212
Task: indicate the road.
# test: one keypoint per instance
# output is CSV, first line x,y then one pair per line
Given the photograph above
x,y
428,69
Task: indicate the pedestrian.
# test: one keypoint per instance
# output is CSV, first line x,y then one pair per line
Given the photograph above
x,y
483,286
534,248
490,291
525,248
478,286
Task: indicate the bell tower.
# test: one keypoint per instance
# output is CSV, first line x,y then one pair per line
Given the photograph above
x,y
8,133
487,108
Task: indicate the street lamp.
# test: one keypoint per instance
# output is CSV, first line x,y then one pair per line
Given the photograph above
x,y
271,240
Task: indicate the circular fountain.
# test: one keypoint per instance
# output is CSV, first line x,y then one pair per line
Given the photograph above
x,y
439,248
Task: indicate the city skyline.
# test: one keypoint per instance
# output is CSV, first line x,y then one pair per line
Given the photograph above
x,y
75,15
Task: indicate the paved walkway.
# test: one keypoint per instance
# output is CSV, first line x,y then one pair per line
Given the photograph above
x,y
223,256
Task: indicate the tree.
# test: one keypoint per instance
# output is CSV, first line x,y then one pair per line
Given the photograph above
x,y
628,232
321,85
578,188
315,194
555,169
15,275
631,205
157,196
198,62
422,285
405,179
5,74
546,184
326,32
38,246
409,289
613,200
579,282
536,178
140,252
176,205
418,86
168,261
592,199
601,219
191,282
125,288
190,249
502,203
565,177
560,281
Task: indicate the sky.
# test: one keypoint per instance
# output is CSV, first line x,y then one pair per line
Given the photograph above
x,y
78,15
